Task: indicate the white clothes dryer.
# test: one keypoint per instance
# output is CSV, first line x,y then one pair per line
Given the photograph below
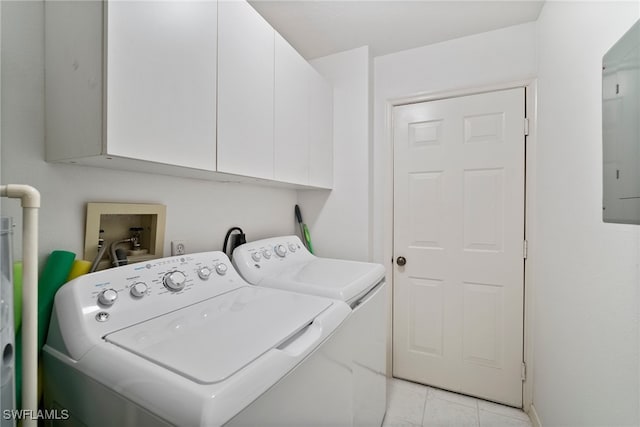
x,y
186,341
284,263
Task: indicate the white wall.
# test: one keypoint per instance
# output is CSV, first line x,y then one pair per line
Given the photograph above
x,y
586,319
481,60
0,96
585,274
339,220
198,212
499,56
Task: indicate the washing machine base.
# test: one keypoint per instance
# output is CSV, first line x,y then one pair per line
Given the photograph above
x,y
316,392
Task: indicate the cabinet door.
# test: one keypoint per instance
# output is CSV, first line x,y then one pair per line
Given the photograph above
x,y
245,91
291,114
73,36
161,82
320,131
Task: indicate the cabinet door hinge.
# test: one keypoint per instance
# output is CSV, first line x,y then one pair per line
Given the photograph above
x,y
525,249
523,372
526,126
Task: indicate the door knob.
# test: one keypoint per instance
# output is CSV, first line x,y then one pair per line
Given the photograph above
x,y
401,261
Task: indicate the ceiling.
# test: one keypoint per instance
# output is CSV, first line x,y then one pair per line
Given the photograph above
x,y
318,28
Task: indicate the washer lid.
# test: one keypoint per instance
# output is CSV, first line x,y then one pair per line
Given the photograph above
x,y
210,341
337,279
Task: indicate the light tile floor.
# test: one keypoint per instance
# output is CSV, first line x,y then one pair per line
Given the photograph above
x,y
413,405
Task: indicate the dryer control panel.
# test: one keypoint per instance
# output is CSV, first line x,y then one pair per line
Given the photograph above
x,y
268,257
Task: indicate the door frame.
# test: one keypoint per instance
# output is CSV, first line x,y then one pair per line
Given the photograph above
x,y
531,90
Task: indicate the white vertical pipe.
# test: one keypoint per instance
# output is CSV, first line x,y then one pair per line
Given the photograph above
x,y
30,199
30,313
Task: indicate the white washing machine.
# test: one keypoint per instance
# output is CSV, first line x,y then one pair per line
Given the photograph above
x,y
284,263
186,341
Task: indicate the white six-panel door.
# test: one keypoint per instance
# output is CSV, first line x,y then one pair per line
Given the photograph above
x,y
459,223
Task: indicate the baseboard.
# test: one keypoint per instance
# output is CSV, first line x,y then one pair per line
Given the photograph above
x,y
533,415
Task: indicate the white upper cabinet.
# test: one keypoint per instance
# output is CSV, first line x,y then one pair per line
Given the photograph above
x,y
132,80
245,91
303,121
291,114
161,88
320,130
201,89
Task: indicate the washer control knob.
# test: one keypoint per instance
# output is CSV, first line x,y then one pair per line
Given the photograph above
x,y
256,256
138,289
175,281
280,250
266,254
204,273
107,297
292,247
221,269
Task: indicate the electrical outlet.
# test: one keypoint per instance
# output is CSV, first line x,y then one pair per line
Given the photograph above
x,y
178,247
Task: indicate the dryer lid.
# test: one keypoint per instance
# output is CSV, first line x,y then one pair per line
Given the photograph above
x,y
332,278
209,341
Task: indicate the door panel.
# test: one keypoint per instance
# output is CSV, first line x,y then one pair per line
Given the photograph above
x,y
483,317
427,299
459,222
425,210
483,210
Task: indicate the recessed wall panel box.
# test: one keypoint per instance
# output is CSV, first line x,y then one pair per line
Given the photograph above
x,y
137,228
